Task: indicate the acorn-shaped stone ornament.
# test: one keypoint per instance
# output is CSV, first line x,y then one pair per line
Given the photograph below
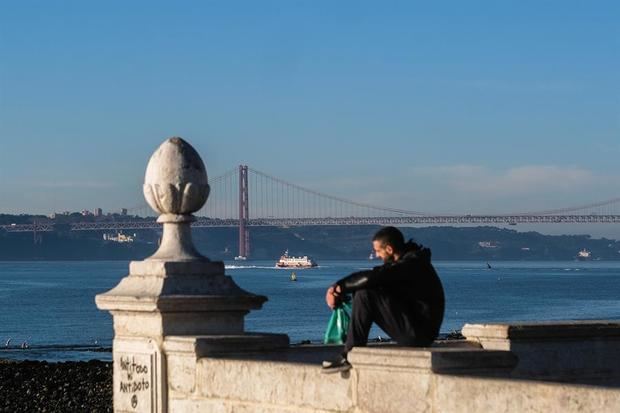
x,y
176,179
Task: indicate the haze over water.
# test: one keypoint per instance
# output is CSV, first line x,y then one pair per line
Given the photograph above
x,y
51,304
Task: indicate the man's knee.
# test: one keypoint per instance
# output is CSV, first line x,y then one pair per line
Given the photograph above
x,y
363,297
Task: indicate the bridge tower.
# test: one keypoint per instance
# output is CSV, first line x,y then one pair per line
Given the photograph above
x,y
244,212
37,237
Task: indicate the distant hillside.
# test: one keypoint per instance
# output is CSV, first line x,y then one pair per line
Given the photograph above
x,y
322,242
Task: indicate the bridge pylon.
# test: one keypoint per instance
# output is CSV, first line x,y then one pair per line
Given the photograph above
x,y
244,212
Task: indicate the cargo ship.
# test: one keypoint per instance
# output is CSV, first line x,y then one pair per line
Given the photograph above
x,y
286,261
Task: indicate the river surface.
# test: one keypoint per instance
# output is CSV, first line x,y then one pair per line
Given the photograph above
x,y
50,305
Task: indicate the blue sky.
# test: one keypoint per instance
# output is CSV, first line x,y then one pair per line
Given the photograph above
x,y
474,107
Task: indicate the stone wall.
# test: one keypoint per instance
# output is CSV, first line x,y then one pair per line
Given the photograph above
x,y
453,376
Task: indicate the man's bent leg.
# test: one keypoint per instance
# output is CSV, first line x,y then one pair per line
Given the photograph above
x,y
389,313
362,317
393,316
373,306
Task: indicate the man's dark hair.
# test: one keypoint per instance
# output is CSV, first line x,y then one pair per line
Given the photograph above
x,y
391,236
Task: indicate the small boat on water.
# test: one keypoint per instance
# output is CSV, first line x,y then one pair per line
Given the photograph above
x,y
286,261
293,277
240,258
584,255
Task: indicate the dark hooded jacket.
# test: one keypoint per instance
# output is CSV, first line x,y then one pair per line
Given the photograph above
x,y
412,281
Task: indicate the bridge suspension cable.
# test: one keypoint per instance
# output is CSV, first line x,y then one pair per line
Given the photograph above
x,y
299,196
573,209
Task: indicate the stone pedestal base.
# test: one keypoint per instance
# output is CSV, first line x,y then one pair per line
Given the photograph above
x,y
189,308
139,376
161,298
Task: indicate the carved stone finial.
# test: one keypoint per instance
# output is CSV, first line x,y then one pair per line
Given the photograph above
x,y
176,179
176,296
175,186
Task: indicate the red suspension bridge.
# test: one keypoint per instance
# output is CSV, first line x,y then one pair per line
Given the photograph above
x,y
244,197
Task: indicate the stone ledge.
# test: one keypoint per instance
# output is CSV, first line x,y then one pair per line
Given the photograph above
x,y
458,357
444,359
213,405
563,351
202,346
181,303
456,394
543,330
277,384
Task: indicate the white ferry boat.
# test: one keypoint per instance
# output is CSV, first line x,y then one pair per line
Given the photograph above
x,y
119,237
584,255
287,261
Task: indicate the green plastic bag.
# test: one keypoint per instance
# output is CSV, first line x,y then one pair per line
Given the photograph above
x,y
338,324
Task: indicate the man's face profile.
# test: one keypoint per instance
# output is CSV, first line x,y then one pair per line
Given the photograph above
x,y
383,251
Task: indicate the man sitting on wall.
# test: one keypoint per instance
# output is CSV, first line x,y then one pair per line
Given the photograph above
x,y
404,297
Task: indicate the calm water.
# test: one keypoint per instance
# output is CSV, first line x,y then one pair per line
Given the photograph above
x,y
50,305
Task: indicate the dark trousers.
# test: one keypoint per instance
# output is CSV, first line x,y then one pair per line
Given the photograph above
x,y
391,314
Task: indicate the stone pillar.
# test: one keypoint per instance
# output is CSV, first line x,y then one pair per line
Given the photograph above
x,y
174,292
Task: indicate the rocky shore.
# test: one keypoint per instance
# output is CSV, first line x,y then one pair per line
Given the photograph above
x,y
39,386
